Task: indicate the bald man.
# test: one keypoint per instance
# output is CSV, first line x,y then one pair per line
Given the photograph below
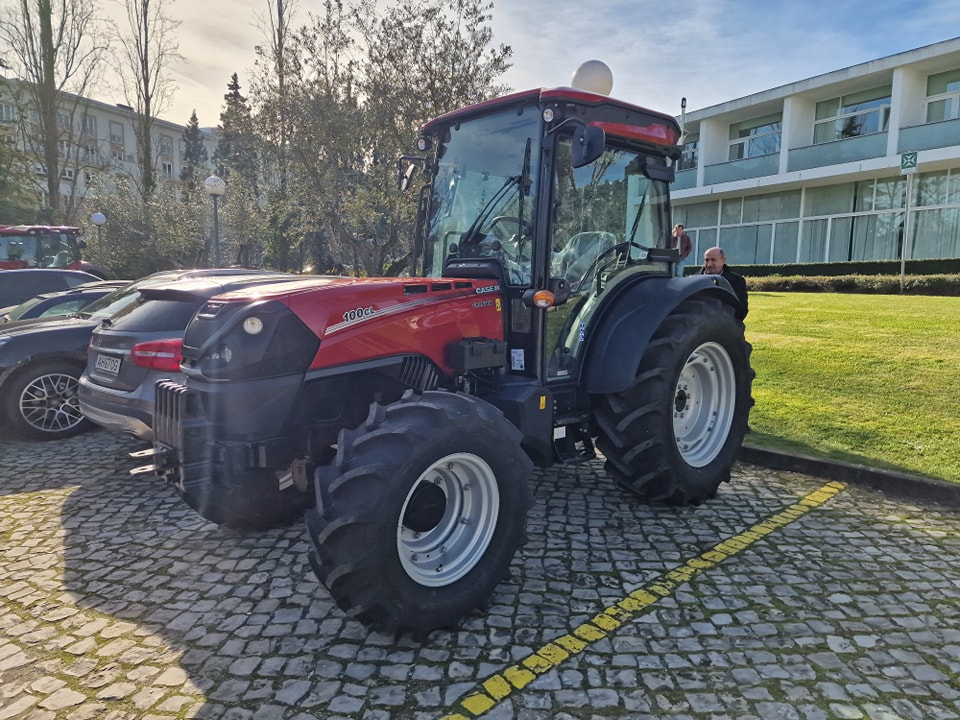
x,y
715,263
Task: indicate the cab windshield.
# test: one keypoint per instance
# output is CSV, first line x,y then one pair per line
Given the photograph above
x,y
483,200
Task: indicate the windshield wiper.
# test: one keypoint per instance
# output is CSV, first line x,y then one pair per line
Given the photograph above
x,y
487,209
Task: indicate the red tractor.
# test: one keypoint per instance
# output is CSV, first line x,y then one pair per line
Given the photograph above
x,y
404,415
44,246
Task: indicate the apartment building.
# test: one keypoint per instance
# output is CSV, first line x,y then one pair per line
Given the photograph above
x,y
818,170
97,144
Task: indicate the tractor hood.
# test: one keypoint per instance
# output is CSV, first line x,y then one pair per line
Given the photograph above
x,y
329,322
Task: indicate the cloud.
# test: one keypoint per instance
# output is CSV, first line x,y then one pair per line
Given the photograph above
x,y
709,51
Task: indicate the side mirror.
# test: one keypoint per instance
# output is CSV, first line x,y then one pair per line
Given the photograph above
x,y
588,145
404,177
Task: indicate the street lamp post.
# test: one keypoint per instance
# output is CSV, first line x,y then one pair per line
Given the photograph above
x,y
215,187
99,219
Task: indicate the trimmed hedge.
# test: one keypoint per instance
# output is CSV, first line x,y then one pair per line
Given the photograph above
x,y
875,284
949,266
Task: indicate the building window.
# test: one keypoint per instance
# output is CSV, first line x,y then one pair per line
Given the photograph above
x,y
116,133
63,148
752,138
851,115
8,113
691,153
943,96
166,145
117,150
63,121
68,174
167,168
90,125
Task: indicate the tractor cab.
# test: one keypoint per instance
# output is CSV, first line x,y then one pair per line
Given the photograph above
x,y
44,246
560,194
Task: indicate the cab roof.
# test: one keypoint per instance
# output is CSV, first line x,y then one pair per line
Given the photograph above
x,y
617,118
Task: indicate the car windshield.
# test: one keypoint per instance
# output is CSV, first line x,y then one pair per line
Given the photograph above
x,y
23,308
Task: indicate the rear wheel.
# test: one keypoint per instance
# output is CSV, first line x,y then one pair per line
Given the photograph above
x,y
675,433
420,515
40,401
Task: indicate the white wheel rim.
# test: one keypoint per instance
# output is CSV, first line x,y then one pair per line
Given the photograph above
x,y
704,402
49,403
453,545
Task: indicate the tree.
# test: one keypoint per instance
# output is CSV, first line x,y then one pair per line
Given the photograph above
x,y
147,51
148,234
326,148
18,198
54,46
274,123
237,160
423,59
193,164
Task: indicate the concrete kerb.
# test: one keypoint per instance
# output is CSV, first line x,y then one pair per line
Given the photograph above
x,y
887,481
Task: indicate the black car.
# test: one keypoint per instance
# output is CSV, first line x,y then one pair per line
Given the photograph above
x,y
63,302
19,285
41,360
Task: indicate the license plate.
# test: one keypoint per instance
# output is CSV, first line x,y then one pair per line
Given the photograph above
x,y
108,364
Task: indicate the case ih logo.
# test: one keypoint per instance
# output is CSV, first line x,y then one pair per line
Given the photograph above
x,y
358,314
488,289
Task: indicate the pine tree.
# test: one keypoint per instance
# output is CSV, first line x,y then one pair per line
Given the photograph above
x,y
236,145
195,157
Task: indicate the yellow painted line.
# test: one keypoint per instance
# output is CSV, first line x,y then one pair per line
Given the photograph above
x,y
548,657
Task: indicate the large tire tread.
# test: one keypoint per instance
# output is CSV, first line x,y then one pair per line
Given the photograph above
x,y
635,427
353,525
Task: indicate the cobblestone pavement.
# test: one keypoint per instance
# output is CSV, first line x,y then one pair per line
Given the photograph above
x,y
785,597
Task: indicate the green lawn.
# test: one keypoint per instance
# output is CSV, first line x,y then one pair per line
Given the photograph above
x,y
871,379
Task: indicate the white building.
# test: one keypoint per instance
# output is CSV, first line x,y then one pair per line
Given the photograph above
x,y
97,143
811,171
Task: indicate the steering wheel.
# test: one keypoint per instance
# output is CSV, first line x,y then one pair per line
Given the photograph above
x,y
507,242
619,247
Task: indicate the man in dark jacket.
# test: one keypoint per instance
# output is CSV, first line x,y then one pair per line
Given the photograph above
x,y
715,263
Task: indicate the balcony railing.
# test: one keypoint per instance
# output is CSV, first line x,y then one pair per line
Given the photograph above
x,y
929,136
744,169
685,179
862,147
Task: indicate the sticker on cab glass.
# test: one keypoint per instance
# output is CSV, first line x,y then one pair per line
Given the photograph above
x,y
517,359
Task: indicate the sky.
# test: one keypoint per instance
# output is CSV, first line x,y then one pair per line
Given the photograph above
x,y
709,51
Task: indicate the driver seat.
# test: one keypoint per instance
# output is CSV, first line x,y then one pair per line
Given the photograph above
x,y
581,250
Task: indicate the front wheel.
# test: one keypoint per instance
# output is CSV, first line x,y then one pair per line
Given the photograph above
x,y
675,433
40,401
420,515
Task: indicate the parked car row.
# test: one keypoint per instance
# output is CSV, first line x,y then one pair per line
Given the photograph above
x,y
112,351
60,302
